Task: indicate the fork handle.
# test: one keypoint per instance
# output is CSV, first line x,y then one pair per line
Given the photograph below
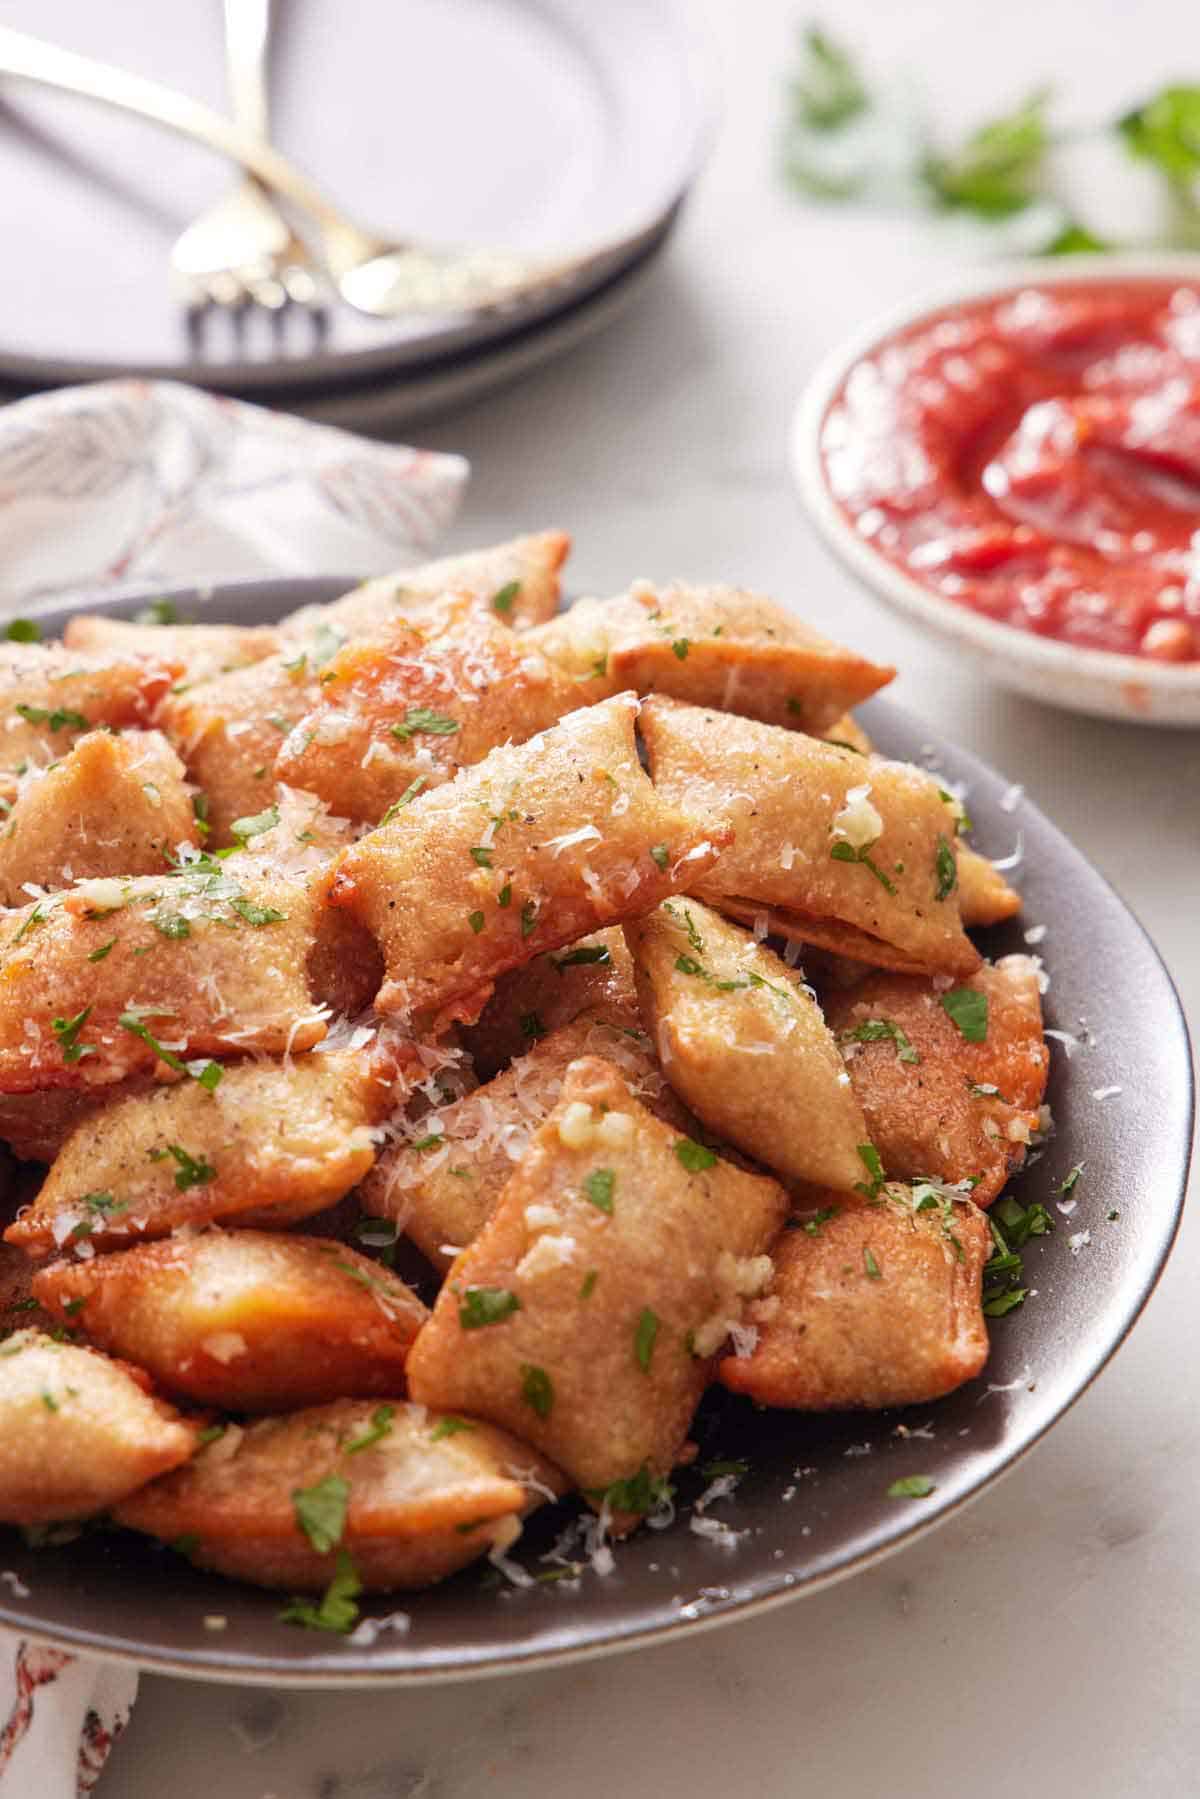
x,y
247,36
32,59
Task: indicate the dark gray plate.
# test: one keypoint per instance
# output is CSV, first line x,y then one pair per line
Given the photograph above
x,y
814,1503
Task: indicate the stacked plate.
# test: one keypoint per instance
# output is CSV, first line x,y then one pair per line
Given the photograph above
x,y
535,124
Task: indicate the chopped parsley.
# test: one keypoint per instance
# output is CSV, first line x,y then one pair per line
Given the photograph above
x,y
212,1433
599,1187
586,953
660,854
681,647
644,1338
321,1511
434,1140
486,1305
1068,1186
22,630
945,870
67,1031
98,955
1022,1222
337,1610
200,814
529,916
170,924
254,825
968,1008
537,1389
912,1486
641,1492
36,917
475,920
504,897
1002,1272
420,720
133,1023
868,1155
694,1156
193,1171
879,1030
481,855
449,1426
812,1226
502,601
871,1266
589,1283
58,719
376,1431
406,798
255,914
158,612
841,851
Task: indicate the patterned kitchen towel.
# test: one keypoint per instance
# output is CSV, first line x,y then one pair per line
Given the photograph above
x,y
129,487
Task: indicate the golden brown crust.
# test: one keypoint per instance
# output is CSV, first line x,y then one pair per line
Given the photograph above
x,y
928,1116
744,1044
542,995
272,1143
415,702
49,697
599,1374
531,850
111,806
77,1432
985,897
243,1320
200,651
856,845
877,1306
422,1501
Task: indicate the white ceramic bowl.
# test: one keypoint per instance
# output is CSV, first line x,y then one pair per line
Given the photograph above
x,y
1100,682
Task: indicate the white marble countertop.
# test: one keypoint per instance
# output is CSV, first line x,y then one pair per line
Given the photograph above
x,y
1046,1639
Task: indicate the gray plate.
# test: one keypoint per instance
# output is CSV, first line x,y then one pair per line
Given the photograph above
x,y
114,1594
535,124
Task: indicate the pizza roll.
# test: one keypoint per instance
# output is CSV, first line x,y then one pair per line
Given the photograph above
x,y
77,1432
19,1310
951,1079
870,1306
36,1125
111,806
743,1042
117,977
408,1496
244,1320
296,835
712,646
440,1182
854,854
408,706
586,1314
49,697
536,999
272,1142
516,581
199,651
532,849
984,896
848,734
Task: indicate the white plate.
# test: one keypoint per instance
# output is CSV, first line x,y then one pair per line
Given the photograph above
x,y
1101,682
541,124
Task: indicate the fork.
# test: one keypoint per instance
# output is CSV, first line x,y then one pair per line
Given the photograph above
x,y
242,251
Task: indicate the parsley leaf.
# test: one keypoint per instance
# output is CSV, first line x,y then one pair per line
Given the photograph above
x,y
98,955
57,719
406,798
1165,130
841,851
945,870
430,724
255,914
158,612
321,1511
380,1425
537,1389
254,825
660,855
529,916
1022,1222
481,855
681,647
599,1187
694,1156
868,1155
877,1030
22,630
337,1610
969,1010
912,1486
589,1283
476,921
67,1031
827,90
644,1338
502,602
194,1171
449,1426
586,954
995,171
871,1266
640,1492
486,1305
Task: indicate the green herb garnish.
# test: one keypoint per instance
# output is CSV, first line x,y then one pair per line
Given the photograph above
x,y
968,1008
644,1337
480,1306
877,1030
420,720
599,1187
694,1156
537,1389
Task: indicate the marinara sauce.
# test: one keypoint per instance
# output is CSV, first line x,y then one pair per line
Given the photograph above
x,y
1036,457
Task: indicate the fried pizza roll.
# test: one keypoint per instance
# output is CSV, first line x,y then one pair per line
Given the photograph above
x,y
111,806
532,849
536,999
516,581
272,1142
984,896
199,651
118,977
854,854
244,1320
295,836
77,1432
743,1043
951,1079
36,1125
848,733
408,706
585,1314
49,697
712,646
441,1180
407,1495
870,1306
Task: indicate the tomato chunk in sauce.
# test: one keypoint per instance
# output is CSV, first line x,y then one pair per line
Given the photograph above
x,y
1035,456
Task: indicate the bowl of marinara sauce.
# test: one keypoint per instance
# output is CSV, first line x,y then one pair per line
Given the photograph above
x,y
1017,467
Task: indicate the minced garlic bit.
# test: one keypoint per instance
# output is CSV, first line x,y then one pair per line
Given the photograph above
x,y
577,1126
224,1346
614,1131
858,823
547,1254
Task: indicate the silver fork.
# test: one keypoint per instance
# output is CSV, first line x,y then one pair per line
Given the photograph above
x,y
242,251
